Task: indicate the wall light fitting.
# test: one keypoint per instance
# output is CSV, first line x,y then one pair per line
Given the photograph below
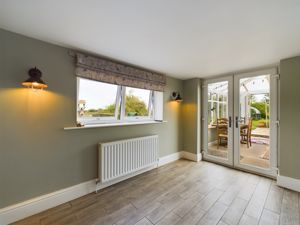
x,y
34,80
176,96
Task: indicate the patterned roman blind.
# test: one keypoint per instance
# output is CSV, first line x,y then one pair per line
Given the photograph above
x,y
108,71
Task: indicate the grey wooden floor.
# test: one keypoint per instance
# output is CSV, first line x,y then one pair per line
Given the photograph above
x,y
182,192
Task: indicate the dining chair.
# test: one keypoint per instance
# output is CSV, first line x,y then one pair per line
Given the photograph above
x,y
222,130
246,133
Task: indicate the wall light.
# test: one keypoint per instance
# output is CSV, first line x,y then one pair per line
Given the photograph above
x,y
176,96
34,80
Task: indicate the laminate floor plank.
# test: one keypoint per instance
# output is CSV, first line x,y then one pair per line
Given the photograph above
x,y
112,218
269,218
136,215
192,217
144,221
222,223
184,207
158,213
289,208
213,216
248,220
171,218
248,188
235,211
210,199
274,199
256,204
233,190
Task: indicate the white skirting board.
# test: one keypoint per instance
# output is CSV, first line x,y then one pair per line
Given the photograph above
x,y
33,206
191,156
179,155
169,158
289,183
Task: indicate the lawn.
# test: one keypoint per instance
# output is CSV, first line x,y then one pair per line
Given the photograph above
x,y
256,122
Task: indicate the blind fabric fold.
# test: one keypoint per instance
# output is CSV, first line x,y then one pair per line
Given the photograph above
x,y
107,71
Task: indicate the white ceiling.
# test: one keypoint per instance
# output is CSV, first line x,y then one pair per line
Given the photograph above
x,y
182,38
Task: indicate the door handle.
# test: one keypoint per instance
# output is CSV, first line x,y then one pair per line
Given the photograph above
x,y
237,122
229,122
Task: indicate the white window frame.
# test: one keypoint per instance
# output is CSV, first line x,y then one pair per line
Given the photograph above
x,y
139,118
218,106
120,105
97,120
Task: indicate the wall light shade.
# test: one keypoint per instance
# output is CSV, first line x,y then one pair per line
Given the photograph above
x,y
176,96
34,80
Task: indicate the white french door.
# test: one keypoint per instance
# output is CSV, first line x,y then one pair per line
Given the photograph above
x,y
218,102
240,121
256,99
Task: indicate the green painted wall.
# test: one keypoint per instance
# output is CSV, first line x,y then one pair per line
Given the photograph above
x,y
191,115
36,155
290,117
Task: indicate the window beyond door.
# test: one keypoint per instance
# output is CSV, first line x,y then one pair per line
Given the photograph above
x,y
218,120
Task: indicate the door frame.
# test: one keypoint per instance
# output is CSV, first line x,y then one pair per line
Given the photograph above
x,y
206,156
272,171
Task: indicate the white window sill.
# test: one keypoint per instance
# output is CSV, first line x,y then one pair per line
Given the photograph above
x,y
119,124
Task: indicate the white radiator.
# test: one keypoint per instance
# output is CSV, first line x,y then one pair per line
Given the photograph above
x,y
119,160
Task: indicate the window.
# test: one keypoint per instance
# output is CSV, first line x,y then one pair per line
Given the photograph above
x,y
99,102
217,101
138,103
218,108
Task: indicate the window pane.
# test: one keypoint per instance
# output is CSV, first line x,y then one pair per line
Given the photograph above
x,y
222,110
214,96
220,98
212,113
209,96
96,100
137,102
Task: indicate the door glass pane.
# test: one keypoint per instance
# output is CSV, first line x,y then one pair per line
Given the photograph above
x,y
218,119
254,126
